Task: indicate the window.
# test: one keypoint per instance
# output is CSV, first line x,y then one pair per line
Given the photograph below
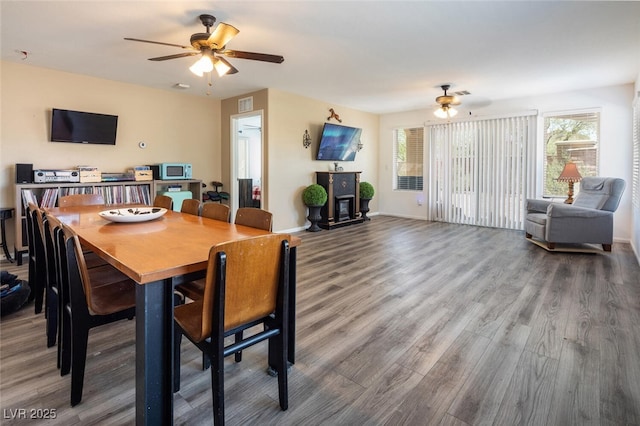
x,y
408,151
569,137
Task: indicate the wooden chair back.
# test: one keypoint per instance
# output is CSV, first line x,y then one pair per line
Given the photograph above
x,y
163,201
255,218
191,206
81,200
216,211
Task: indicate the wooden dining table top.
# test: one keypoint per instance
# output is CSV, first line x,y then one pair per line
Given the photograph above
x,y
172,245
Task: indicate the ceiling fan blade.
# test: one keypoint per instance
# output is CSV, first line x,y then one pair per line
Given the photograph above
x,y
222,35
276,59
232,69
178,55
158,42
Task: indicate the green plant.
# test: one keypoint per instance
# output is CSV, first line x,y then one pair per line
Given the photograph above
x,y
366,190
314,195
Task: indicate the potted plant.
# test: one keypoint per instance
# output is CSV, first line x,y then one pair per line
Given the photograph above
x,y
314,197
366,194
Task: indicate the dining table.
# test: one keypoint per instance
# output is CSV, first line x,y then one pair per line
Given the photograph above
x,y
159,254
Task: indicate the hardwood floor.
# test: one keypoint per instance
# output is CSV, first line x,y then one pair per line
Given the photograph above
x,y
399,321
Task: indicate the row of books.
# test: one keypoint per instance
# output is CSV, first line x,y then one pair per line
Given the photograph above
x,y
133,194
49,198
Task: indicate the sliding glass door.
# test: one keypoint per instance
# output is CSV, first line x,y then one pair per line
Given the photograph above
x,y
481,172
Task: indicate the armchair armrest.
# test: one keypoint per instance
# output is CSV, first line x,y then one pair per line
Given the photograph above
x,y
567,210
537,206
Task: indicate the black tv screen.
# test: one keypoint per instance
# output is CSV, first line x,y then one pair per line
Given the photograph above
x,y
83,127
338,143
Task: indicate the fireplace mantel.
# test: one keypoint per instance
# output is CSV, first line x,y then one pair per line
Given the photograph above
x,y
343,199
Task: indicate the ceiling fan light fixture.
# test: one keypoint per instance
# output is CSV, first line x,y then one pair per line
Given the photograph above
x,y
445,101
445,111
221,67
203,65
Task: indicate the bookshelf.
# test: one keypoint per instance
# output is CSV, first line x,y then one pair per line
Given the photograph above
x,y
123,192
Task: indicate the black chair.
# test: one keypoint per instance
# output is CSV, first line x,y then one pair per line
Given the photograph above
x,y
246,285
87,305
37,258
31,247
216,195
51,301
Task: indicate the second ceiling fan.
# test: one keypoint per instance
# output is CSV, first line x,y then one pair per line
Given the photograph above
x,y
211,45
446,101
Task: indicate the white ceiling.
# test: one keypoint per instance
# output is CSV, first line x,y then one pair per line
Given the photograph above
x,y
375,56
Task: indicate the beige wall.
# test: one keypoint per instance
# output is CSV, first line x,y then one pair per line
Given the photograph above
x,y
175,126
292,167
230,109
288,166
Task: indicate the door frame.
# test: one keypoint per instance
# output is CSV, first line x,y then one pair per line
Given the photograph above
x,y
235,127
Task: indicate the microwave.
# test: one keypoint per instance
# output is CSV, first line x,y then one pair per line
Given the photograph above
x,y
170,171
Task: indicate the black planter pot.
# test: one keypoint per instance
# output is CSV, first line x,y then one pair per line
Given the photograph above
x,y
364,207
314,217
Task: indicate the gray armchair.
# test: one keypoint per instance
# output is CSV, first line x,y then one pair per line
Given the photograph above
x,y
588,220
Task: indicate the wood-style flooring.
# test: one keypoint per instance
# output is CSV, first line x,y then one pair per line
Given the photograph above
x,y
399,322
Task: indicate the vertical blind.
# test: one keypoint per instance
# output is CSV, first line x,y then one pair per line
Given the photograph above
x,y
482,172
636,154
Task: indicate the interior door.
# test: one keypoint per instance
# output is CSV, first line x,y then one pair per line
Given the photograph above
x,y
247,161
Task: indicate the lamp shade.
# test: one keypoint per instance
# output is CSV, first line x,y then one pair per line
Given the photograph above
x,y
570,173
203,65
445,111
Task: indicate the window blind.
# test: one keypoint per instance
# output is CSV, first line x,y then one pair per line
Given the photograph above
x,y
481,172
409,159
636,153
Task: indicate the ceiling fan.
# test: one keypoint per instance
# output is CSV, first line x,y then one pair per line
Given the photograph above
x,y
210,46
445,101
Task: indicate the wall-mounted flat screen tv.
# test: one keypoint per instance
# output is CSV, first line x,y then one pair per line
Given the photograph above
x,y
83,127
338,143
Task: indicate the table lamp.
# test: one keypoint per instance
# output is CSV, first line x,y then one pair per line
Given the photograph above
x,y
571,175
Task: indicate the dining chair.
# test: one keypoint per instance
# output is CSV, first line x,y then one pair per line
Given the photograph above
x,y
51,310
87,305
246,285
37,258
163,201
216,211
247,216
254,217
81,200
54,302
190,206
31,248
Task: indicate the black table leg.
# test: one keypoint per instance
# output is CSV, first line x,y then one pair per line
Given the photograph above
x,y
292,305
154,353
